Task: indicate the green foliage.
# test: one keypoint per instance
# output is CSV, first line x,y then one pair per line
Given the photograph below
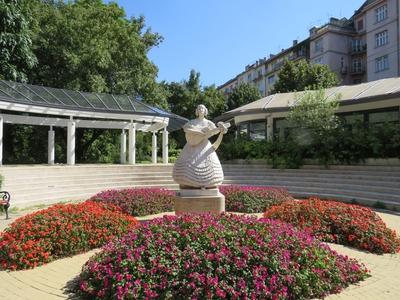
x,y
25,144
183,97
343,144
315,113
88,45
243,94
300,76
279,153
81,45
16,56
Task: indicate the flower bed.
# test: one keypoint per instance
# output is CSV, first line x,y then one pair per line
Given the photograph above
x,y
210,257
341,223
59,231
252,199
138,202
147,201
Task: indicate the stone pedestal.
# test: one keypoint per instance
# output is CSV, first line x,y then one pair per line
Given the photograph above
x,y
199,201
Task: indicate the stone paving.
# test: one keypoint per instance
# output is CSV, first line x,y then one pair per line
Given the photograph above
x,y
52,280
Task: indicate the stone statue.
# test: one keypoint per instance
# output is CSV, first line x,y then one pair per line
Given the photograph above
x,y
198,165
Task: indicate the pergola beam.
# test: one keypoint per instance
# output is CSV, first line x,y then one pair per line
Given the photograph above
x,y
28,108
60,122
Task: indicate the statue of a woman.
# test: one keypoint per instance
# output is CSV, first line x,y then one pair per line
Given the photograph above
x,y
198,165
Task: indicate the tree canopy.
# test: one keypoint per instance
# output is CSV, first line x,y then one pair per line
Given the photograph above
x,y
244,93
16,56
91,46
183,97
300,76
315,112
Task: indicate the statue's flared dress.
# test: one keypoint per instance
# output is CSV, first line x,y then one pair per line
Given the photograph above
x,y
198,165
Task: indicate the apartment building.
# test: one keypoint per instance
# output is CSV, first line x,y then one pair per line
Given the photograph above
x,y
264,72
365,47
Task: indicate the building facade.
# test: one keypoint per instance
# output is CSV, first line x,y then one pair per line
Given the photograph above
x,y
365,47
371,102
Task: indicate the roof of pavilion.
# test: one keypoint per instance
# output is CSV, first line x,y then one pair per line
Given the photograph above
x,y
349,94
124,106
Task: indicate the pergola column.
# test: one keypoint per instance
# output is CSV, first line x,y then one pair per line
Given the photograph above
x,y
50,146
1,140
270,128
132,143
123,147
165,145
71,142
154,148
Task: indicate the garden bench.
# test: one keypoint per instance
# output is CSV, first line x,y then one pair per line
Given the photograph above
x,y
5,201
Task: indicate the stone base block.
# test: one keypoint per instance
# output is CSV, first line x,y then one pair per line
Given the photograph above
x,y
200,204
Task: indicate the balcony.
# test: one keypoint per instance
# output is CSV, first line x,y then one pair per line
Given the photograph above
x,y
358,49
257,77
357,70
296,56
277,66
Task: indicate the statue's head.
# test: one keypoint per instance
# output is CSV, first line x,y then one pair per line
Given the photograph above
x,y
201,109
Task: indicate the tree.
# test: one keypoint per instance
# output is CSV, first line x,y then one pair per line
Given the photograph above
x,y
300,76
16,56
244,93
315,113
183,97
91,46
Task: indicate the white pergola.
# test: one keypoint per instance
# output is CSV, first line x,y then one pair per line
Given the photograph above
x,y
51,107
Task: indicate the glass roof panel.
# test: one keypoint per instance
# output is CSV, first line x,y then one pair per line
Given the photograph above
x,y
94,100
2,94
28,93
68,99
140,107
78,98
41,91
109,101
12,92
60,95
124,102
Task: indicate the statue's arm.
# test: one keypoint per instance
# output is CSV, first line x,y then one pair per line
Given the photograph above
x,y
218,141
223,128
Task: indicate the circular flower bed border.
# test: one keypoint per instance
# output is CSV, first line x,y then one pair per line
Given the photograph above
x,y
338,222
223,256
60,231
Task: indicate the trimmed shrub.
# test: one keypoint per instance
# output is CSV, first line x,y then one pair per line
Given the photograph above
x,y
215,257
138,202
252,199
337,222
60,231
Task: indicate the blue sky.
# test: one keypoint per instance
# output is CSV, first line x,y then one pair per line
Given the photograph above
x,y
218,38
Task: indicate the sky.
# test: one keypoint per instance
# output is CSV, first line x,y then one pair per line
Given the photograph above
x,y
218,38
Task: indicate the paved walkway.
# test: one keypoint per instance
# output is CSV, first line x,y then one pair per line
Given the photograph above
x,y
52,280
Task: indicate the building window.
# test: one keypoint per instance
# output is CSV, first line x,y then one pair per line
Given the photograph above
x,y
249,77
271,80
360,25
381,63
257,130
318,46
383,117
243,130
357,45
356,65
381,38
381,13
